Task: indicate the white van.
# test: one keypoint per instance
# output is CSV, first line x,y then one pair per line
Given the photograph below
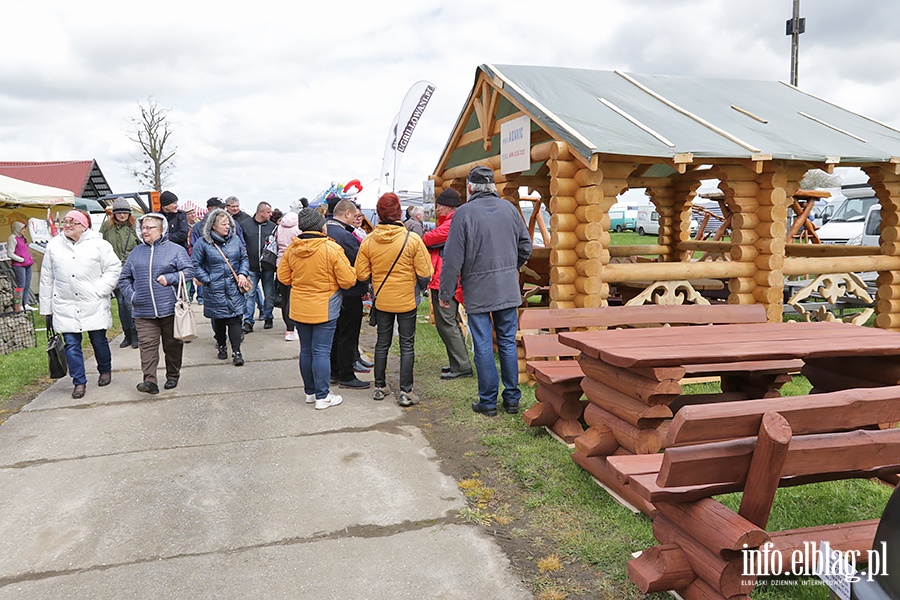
x,y
848,219
648,223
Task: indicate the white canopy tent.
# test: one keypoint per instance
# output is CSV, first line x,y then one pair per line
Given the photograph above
x,y
16,192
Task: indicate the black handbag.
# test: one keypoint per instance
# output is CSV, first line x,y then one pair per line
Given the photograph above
x,y
373,312
56,354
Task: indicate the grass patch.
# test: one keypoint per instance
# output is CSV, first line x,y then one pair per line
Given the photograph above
x,y
24,371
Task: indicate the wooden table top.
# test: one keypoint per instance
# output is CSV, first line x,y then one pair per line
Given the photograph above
x,y
675,346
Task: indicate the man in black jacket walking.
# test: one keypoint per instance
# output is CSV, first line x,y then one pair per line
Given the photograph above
x,y
256,230
176,219
346,337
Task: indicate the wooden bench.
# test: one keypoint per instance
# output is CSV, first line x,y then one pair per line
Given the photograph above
x,y
558,376
754,446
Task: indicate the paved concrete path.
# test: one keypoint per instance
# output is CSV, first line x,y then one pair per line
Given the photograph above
x,y
230,487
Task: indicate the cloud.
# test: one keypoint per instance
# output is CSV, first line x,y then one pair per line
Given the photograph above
x,y
275,100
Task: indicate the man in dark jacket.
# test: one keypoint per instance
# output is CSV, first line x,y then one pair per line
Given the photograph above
x,y
256,230
487,244
346,337
179,230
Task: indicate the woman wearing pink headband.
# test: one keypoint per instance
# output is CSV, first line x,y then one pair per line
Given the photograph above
x,y
78,274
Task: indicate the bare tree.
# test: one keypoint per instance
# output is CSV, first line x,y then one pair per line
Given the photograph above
x,y
817,179
151,132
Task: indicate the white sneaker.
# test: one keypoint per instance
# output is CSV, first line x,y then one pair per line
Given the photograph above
x,y
291,336
30,308
310,398
328,401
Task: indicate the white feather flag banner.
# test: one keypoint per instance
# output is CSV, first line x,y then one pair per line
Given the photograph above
x,y
402,129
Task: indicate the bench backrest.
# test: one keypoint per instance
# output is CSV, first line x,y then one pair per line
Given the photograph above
x,y
715,443
539,346
563,319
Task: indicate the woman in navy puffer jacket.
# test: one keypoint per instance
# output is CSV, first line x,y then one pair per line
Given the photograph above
x,y
150,279
220,265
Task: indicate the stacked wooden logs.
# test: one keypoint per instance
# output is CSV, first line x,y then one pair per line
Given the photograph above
x,y
887,188
627,413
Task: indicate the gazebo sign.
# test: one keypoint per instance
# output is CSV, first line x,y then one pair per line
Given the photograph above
x,y
515,145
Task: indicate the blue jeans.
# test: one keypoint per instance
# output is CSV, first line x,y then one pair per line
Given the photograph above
x,y
75,357
504,323
23,280
125,310
315,356
268,286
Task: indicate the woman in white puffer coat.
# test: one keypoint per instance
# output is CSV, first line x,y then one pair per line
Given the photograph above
x,y
78,274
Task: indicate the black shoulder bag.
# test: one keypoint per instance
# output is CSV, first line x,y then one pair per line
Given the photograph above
x,y
373,312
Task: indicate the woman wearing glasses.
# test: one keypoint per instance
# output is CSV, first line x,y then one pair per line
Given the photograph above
x,y
78,275
150,281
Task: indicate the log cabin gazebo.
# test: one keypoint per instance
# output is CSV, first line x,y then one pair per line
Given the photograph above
x,y
594,134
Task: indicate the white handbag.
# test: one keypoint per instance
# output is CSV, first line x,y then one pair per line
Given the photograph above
x,y
185,326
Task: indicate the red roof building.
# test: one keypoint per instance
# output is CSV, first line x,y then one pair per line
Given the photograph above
x,y
83,177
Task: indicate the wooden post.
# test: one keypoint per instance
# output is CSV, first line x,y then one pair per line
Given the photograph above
x,y
886,183
765,469
563,223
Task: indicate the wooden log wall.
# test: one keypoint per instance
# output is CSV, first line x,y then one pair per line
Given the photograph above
x,y
759,203
886,184
569,228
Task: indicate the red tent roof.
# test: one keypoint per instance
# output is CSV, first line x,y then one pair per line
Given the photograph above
x,y
82,177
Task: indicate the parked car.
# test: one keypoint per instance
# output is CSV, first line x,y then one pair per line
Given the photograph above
x,y
620,220
849,217
648,223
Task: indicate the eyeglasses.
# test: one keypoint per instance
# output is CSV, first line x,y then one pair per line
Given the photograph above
x,y
149,226
70,222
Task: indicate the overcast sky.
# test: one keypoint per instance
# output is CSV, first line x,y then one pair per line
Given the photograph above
x,y
273,100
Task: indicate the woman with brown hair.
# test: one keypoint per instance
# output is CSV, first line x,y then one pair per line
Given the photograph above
x,y
395,260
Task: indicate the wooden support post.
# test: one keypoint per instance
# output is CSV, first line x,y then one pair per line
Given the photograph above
x,y
765,469
660,569
886,184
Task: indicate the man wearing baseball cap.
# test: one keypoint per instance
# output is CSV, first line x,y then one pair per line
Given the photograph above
x,y
485,248
446,320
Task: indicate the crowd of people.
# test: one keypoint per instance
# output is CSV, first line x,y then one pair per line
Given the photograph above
x,y
324,266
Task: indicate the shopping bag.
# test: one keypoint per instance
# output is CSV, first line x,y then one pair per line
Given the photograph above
x,y
269,257
185,325
56,354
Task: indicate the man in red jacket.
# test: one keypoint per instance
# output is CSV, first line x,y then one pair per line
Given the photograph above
x,y
447,319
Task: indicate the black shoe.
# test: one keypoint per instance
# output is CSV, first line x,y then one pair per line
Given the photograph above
x,y
268,324
360,368
247,327
126,341
332,379
511,408
78,391
105,379
488,411
446,369
223,353
134,339
366,363
355,384
456,374
148,387
170,384
237,360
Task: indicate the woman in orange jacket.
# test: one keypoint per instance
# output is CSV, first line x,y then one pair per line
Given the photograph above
x,y
395,260
316,269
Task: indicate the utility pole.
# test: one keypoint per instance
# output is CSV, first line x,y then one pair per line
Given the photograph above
x,y
795,26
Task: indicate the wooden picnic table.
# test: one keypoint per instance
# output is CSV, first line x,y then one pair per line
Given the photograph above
x,y
632,376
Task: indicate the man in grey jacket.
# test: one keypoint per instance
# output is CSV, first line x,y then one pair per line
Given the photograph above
x,y
487,244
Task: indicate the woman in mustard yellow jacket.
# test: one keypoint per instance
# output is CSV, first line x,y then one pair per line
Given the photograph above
x,y
316,269
395,259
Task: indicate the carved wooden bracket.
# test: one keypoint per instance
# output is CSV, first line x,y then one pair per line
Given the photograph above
x,y
486,112
831,287
668,293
